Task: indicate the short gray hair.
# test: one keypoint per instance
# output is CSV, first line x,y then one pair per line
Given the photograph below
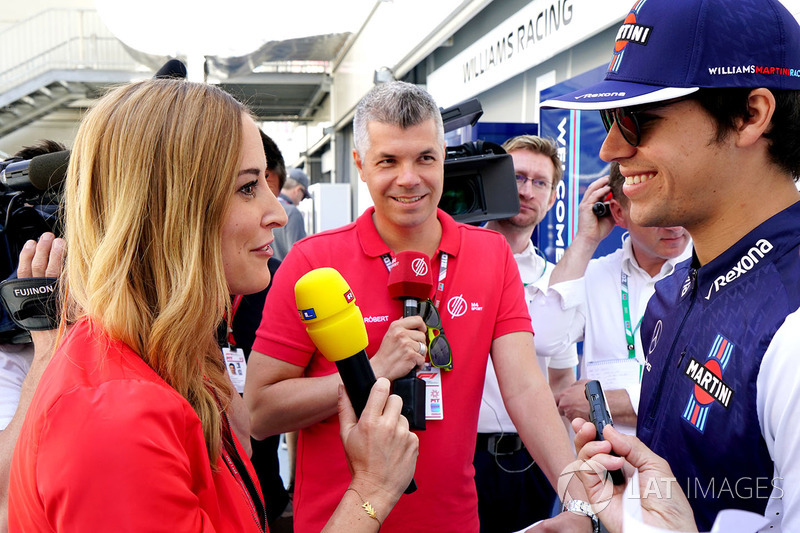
x,y
396,103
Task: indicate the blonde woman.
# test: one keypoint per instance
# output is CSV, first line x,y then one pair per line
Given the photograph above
x,y
167,213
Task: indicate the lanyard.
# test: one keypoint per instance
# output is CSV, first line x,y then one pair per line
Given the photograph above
x,y
234,307
544,268
437,298
626,315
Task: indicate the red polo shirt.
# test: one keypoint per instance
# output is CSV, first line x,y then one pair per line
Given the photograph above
x,y
481,300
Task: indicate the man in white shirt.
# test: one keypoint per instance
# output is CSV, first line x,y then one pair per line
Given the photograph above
x,y
15,362
512,490
602,301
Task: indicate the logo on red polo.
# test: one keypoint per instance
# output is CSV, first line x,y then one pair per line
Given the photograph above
x,y
457,306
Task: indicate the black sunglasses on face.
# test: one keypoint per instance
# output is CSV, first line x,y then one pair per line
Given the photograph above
x,y
629,121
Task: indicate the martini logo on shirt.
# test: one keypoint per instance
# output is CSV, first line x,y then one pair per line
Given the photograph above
x,y
709,379
709,387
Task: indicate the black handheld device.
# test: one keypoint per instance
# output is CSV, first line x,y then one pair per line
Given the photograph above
x,y
600,416
601,209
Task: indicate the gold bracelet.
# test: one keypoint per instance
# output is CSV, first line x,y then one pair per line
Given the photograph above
x,y
367,507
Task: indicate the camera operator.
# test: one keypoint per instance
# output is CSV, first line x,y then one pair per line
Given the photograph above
x,y
22,367
22,364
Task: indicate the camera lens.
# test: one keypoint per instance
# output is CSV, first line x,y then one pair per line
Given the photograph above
x,y
460,200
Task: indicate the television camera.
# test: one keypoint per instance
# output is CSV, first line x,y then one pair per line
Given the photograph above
x,y
30,193
479,182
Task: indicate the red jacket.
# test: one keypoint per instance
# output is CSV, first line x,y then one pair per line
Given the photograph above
x,y
107,445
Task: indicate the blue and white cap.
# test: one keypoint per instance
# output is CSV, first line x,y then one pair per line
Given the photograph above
x,y
670,48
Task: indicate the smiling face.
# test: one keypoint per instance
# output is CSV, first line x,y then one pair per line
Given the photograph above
x,y
533,202
253,214
679,175
404,172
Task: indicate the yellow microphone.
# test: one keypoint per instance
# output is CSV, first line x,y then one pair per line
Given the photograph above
x,y
327,307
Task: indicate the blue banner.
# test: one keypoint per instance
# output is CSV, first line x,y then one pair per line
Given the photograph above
x,y
579,136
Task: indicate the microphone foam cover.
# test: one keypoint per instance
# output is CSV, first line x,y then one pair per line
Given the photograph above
x,y
48,170
411,276
333,321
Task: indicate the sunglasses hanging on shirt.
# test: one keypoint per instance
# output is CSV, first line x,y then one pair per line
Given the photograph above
x,y
439,351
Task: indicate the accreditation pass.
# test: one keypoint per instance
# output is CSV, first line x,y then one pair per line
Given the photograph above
x,y
432,376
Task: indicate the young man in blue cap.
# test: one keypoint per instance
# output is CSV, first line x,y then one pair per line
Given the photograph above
x,y
702,106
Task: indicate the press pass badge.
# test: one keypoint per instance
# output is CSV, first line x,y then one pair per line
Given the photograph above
x,y
236,366
432,376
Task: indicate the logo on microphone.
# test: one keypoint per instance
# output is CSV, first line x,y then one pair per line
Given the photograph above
x,y
308,314
349,296
457,306
420,267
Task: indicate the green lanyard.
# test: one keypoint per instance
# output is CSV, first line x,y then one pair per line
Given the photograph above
x,y
626,315
540,254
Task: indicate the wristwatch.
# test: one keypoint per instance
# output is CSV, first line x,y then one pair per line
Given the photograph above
x,y
582,507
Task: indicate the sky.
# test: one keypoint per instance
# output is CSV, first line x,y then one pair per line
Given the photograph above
x,y
228,29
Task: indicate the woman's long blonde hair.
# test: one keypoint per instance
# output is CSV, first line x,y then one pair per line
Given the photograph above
x,y
150,181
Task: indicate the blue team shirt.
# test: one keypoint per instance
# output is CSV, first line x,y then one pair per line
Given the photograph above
x,y
705,333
